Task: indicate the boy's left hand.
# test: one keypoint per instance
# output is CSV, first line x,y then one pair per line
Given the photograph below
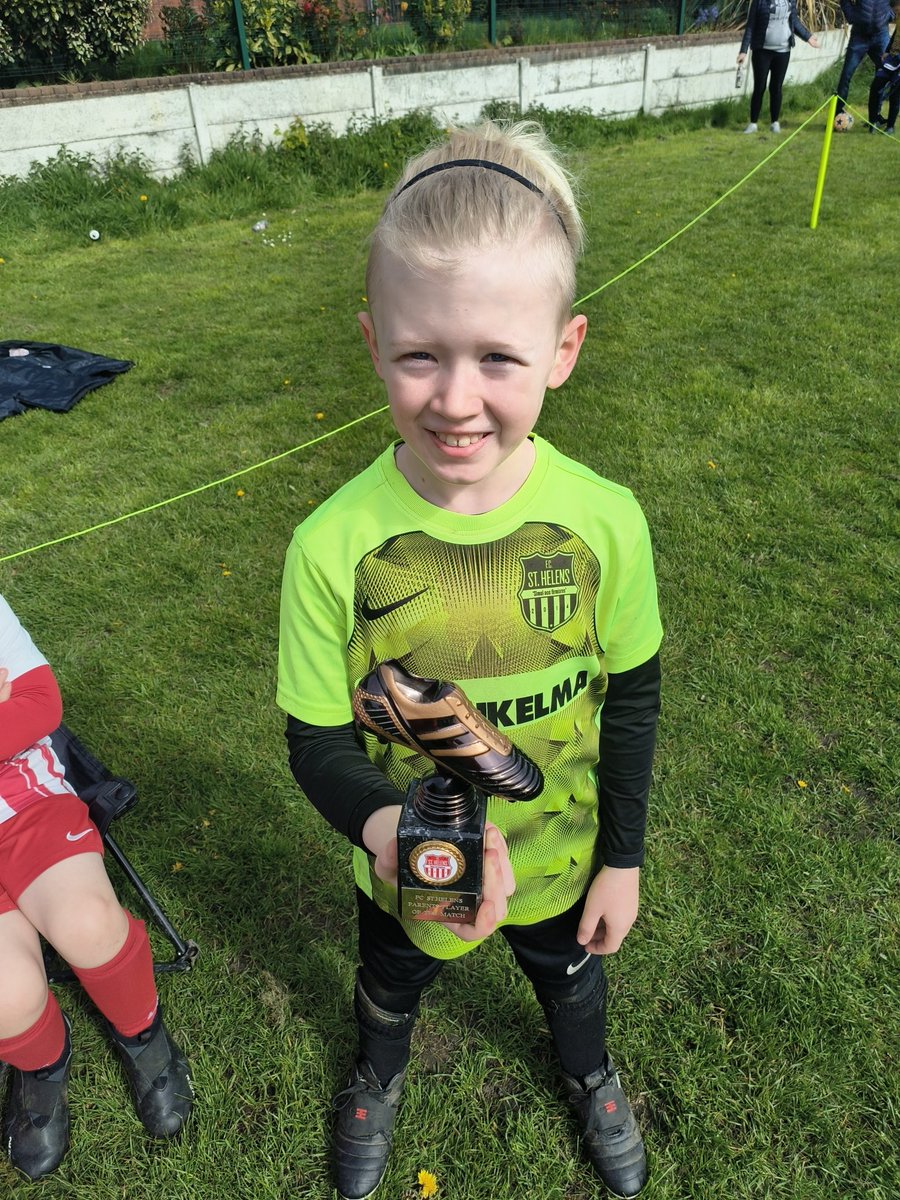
x,y
497,885
610,909
5,685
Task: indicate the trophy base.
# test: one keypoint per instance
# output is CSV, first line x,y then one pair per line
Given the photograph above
x,y
440,867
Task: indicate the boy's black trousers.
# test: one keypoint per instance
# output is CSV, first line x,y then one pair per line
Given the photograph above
x,y
569,984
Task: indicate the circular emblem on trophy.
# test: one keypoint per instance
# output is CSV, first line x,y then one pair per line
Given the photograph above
x,y
437,863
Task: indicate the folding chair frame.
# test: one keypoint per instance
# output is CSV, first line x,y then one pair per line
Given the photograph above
x,y
108,797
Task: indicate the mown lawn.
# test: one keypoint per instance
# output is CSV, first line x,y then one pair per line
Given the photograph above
x,y
743,384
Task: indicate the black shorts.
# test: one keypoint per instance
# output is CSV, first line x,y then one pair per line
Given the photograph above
x,y
547,952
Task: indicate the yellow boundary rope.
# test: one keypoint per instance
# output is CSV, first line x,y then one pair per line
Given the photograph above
x,y
740,183
138,512
193,491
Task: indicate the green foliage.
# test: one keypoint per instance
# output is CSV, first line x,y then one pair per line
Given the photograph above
x,y
274,29
369,155
187,36
327,29
40,34
438,23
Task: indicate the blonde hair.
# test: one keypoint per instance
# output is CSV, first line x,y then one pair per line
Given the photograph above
x,y
452,211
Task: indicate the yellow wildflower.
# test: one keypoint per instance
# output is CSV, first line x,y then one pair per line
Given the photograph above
x,y
710,464
428,1185
320,416
177,866
143,199
240,492
801,783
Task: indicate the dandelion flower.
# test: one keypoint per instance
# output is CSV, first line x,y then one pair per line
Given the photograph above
x,y
226,572
287,383
427,1184
240,492
801,783
177,866
710,464
143,199
2,261
320,416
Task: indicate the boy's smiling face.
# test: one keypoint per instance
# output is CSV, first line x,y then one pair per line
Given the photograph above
x,y
466,351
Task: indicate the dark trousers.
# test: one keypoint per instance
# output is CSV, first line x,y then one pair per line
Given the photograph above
x,y
570,985
769,67
884,87
860,46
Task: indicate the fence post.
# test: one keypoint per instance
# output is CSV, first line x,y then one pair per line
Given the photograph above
x,y
681,9
492,22
524,89
201,129
242,34
647,92
376,80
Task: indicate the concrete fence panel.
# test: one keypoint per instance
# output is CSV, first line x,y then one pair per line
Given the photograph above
x,y
165,118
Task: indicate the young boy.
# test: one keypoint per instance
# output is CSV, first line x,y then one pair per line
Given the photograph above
x,y
53,884
886,86
471,551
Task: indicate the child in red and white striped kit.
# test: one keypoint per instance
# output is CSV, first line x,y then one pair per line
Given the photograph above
x,y
53,884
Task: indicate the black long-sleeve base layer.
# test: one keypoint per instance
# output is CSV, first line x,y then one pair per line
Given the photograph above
x,y
331,766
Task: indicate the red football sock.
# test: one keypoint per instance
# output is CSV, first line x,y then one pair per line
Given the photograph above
x,y
39,1046
124,989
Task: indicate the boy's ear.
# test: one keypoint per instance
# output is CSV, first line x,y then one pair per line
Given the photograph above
x,y
368,328
569,347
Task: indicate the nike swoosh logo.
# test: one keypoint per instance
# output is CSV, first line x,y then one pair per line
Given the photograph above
x,y
76,837
372,614
573,967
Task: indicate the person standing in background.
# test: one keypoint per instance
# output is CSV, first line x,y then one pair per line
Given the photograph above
x,y
769,35
869,35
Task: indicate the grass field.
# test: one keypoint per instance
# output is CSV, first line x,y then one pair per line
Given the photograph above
x,y
743,384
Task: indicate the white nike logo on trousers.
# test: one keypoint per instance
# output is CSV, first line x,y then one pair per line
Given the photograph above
x,y
76,837
573,967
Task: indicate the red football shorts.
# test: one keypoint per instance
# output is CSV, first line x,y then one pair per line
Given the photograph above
x,y
46,832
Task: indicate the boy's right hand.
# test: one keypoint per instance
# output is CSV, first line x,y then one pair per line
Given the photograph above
x,y
5,685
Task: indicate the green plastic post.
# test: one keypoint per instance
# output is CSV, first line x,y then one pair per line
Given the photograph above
x,y
680,28
242,34
823,161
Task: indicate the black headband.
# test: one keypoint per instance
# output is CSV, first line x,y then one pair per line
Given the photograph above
x,y
489,166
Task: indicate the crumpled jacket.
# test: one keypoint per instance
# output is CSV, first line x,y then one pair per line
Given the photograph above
x,y
44,375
